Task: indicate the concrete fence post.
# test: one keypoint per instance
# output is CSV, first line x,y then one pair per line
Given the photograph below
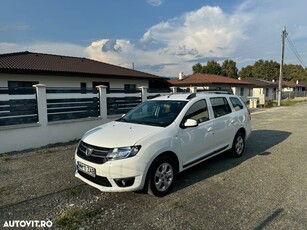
x,y
173,89
41,98
103,107
144,92
193,89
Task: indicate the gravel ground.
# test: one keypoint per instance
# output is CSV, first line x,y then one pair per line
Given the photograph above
x,y
264,189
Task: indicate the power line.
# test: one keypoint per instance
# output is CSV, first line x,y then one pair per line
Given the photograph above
x,y
295,52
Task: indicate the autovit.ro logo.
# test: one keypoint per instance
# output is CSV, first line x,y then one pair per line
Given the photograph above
x,y
27,224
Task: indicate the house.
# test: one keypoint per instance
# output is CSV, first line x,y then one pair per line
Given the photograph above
x,y
293,86
264,89
268,89
213,82
25,69
70,105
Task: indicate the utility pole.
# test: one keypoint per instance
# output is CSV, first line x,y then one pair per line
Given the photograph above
x,y
283,35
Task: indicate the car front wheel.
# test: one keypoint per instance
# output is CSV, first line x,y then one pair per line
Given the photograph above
x,y
161,176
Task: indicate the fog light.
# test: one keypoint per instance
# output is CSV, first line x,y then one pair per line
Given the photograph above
x,y
124,182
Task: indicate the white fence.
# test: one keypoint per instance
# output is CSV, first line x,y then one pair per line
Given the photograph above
x,y
58,117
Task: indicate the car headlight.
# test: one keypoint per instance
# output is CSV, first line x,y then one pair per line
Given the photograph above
x,y
123,152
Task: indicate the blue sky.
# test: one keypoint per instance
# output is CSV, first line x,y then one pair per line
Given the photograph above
x,y
163,37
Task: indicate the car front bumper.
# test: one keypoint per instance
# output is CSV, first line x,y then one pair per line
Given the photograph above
x,y
110,175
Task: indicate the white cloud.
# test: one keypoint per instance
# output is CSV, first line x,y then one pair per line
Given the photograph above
x,y
155,2
168,47
251,32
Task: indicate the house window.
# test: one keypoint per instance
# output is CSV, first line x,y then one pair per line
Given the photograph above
x,y
21,87
250,92
130,88
83,87
266,92
241,91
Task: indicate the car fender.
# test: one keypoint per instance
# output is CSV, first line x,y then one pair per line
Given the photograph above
x,y
160,143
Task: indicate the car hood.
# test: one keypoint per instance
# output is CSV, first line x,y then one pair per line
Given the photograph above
x,y
118,134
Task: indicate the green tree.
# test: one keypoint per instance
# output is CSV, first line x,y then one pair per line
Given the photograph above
x,y
246,72
197,68
293,72
267,70
229,68
212,67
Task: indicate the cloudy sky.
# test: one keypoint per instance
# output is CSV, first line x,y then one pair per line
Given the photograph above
x,y
163,37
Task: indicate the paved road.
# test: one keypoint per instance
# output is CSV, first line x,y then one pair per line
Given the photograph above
x,y
264,189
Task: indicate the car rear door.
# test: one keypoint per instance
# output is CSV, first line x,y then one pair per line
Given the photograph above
x,y
223,123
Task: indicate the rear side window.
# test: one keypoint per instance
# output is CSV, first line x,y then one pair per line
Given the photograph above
x,y
198,112
236,103
220,106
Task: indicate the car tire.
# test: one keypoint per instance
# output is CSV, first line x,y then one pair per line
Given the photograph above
x,y
161,176
238,145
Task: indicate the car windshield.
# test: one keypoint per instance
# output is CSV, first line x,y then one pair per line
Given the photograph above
x,y
156,113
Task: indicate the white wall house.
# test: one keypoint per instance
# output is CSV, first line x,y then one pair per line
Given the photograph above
x,y
213,82
70,81
293,87
262,89
26,69
68,97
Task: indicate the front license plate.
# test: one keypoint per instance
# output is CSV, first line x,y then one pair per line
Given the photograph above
x,y
86,169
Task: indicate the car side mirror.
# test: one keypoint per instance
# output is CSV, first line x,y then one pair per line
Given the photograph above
x,y
190,123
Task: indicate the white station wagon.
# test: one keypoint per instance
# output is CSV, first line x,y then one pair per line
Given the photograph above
x,y
147,147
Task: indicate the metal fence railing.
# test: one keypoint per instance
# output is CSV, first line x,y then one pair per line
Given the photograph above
x,y
293,94
18,108
71,103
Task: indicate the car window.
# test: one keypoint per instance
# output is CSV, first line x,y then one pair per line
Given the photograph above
x,y
154,112
220,106
198,112
236,103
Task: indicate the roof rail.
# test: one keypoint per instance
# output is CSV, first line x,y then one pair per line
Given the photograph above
x,y
192,95
216,92
153,96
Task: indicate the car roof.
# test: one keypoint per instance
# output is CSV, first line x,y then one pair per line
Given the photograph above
x,y
189,96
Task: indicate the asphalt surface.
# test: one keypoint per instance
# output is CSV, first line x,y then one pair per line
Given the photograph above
x,y
264,189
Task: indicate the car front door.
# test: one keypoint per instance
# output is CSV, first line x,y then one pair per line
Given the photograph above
x,y
196,142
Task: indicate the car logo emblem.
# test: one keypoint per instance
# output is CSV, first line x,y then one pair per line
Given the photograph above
x,y
88,152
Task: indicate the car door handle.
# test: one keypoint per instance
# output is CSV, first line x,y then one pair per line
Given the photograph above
x,y
232,122
210,129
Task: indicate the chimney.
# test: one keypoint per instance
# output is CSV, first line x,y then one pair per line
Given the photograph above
x,y
180,76
297,82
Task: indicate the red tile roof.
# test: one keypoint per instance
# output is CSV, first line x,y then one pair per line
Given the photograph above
x,y
261,83
264,83
200,79
28,62
291,84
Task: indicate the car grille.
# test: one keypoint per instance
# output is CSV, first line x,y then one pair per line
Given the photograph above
x,y
97,180
97,155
